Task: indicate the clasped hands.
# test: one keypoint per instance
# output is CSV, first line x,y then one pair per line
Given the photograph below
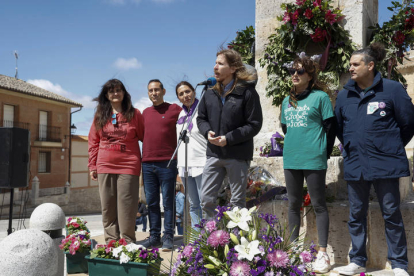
x,y
218,141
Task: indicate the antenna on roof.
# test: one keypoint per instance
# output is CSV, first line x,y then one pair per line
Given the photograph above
x,y
16,55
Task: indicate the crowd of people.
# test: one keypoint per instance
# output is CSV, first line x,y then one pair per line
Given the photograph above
x,y
373,118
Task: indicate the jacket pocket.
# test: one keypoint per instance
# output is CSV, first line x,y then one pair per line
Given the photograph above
x,y
387,142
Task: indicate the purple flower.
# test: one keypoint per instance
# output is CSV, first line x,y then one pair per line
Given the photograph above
x,y
211,226
269,273
220,211
240,269
218,237
306,257
278,258
269,218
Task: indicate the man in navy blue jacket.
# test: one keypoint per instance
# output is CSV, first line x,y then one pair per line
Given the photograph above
x,y
375,121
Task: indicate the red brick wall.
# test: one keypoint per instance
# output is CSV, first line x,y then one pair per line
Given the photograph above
x,y
27,111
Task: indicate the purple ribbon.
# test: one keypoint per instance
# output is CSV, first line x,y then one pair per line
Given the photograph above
x,y
188,115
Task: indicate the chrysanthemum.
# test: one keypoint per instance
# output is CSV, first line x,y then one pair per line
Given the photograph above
x,y
211,226
187,251
218,237
240,269
278,258
306,257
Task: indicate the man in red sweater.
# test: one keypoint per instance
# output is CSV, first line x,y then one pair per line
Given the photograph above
x,y
158,146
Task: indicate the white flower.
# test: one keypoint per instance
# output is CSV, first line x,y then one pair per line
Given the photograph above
x,y
239,218
247,250
116,251
73,220
82,232
133,247
124,258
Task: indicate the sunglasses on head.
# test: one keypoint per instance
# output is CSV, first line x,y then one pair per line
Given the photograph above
x,y
300,71
114,119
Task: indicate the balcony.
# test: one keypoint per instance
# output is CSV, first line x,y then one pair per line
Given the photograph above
x,y
48,134
23,125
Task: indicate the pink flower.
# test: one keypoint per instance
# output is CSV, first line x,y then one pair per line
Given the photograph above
x,y
306,257
286,17
75,224
218,237
108,249
122,242
308,14
319,35
211,226
295,16
240,269
278,258
362,274
330,17
317,3
187,251
300,2
74,247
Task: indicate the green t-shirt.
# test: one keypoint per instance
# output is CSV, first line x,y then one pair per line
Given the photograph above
x,y
305,140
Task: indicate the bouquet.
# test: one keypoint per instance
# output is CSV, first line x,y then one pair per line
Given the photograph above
x,y
75,225
120,250
76,243
236,243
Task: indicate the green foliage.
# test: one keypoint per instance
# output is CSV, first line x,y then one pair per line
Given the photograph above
x,y
244,43
396,35
306,28
336,151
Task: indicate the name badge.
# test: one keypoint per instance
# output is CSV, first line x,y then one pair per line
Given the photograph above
x,y
372,107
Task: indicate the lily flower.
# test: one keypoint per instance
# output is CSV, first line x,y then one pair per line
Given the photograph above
x,y
240,218
247,250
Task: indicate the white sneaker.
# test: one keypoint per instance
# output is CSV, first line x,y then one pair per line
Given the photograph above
x,y
400,272
350,269
322,263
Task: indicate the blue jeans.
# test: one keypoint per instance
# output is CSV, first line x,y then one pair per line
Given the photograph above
x,y
388,194
156,175
180,229
142,220
193,192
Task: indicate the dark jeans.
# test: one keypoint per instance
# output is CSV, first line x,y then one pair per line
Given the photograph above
x,y
315,180
388,194
142,220
156,175
180,229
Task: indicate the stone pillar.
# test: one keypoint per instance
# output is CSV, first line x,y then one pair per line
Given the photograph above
x,y
359,14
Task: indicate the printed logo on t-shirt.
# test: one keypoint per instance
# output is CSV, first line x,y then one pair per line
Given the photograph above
x,y
113,137
296,117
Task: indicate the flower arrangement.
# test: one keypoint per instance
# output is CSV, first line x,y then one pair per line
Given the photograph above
x,y
76,224
310,26
275,147
244,44
120,250
76,243
396,35
234,243
265,150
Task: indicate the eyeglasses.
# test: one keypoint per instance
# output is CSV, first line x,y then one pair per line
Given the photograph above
x,y
300,71
114,119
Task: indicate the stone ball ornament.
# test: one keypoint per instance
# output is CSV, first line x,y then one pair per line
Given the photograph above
x,y
47,217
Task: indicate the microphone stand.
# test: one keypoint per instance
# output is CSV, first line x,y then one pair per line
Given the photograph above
x,y
184,138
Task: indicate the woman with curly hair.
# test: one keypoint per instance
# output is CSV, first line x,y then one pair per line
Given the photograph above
x,y
115,159
307,119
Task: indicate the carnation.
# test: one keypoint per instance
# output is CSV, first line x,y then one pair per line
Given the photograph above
x,y
240,269
187,251
278,258
218,237
306,257
211,226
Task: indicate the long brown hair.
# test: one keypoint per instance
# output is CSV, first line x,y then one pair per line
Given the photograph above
x,y
312,69
103,111
233,58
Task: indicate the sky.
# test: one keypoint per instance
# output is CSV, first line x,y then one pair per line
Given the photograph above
x,y
73,47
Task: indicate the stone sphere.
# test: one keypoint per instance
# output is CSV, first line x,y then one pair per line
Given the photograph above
x,y
47,216
28,252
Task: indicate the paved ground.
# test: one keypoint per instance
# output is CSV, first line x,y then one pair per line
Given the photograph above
x,y
95,226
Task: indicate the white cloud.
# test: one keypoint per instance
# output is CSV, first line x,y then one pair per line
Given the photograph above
x,y
127,64
86,101
143,103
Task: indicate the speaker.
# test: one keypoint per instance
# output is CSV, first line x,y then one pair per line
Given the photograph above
x,y
14,157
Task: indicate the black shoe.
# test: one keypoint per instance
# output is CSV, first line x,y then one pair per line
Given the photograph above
x,y
152,242
144,230
167,243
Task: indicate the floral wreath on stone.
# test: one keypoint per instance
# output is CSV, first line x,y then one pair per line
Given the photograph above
x,y
310,26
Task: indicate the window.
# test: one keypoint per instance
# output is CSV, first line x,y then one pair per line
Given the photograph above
x,y
42,126
8,115
44,162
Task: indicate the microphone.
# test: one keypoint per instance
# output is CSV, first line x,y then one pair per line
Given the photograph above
x,y
210,82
